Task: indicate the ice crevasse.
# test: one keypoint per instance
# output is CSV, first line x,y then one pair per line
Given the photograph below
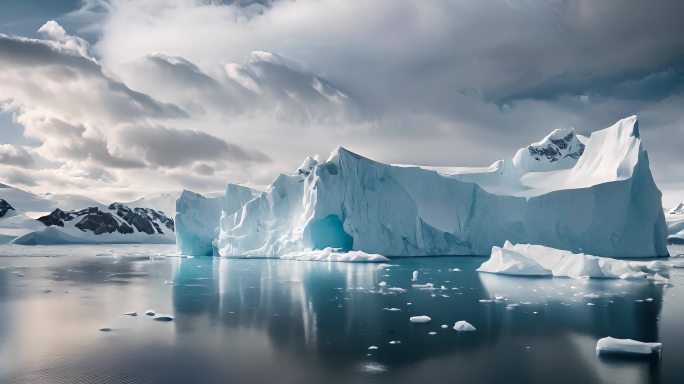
x,y
594,195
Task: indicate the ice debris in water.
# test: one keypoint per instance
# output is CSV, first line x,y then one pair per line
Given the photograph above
x,y
373,347
382,284
626,346
420,319
432,333
444,326
105,329
374,368
539,260
132,313
391,309
415,276
463,326
149,312
160,317
395,342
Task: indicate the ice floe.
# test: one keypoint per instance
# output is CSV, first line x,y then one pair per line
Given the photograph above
x,y
627,346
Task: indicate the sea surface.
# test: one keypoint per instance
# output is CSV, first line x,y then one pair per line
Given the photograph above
x,y
276,321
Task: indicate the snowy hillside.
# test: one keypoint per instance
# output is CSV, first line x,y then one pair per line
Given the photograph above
x,y
593,195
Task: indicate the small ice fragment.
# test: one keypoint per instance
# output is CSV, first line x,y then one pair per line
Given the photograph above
x,y
105,329
499,297
659,279
649,299
455,270
149,312
423,286
374,368
132,313
409,303
463,326
382,284
432,333
591,304
415,276
395,342
443,288
485,301
160,317
397,289
420,319
591,296
373,347
391,309
445,326
629,346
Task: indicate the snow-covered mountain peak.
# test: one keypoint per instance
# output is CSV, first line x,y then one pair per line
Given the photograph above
x,y
558,150
677,209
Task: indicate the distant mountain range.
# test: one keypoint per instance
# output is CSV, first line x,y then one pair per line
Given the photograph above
x,y
29,219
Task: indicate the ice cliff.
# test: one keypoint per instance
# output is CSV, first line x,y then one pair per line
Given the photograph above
x,y
594,195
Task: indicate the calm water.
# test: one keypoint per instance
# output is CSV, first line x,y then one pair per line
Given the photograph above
x,y
272,321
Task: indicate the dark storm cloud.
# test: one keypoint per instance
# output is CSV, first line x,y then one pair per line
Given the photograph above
x,y
169,147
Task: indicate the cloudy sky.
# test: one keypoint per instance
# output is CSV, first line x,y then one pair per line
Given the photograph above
x,y
119,98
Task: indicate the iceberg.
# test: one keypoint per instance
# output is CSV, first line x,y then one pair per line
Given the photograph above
x,y
585,194
626,346
675,224
538,260
197,218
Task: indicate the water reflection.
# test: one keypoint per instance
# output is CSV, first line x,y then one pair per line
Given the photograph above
x,y
332,313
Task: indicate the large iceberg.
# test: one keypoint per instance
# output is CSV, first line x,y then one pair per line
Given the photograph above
x,y
197,218
593,195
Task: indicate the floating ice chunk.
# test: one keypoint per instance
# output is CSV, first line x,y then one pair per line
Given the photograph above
x,y
650,299
382,284
659,279
420,319
105,329
415,276
397,289
424,286
373,347
395,342
132,313
591,295
485,300
463,326
374,368
149,312
499,297
455,270
160,317
591,304
332,254
432,333
391,309
527,259
444,326
628,346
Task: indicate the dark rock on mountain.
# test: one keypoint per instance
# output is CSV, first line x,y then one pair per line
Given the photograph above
x,y
5,207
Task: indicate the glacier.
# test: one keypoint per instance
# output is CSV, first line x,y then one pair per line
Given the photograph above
x,y
197,218
591,195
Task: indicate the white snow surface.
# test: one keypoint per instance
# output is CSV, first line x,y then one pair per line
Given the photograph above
x,y
538,260
628,346
594,195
